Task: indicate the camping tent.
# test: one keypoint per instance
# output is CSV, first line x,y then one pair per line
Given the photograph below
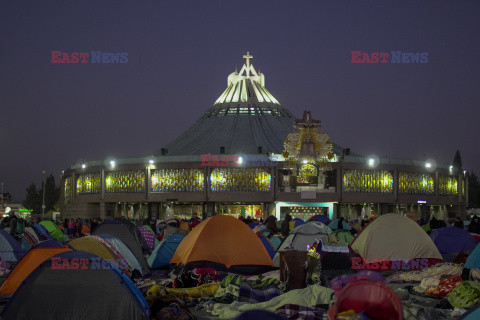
x,y
451,240
53,230
394,237
276,242
162,254
268,245
25,266
335,224
345,236
10,249
101,248
33,234
301,236
320,218
100,293
42,232
135,232
295,223
222,240
120,231
148,236
473,260
121,247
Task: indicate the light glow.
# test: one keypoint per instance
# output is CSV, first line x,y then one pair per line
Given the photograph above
x,y
84,165
112,163
151,161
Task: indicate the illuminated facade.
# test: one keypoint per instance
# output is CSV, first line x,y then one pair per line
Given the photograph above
x,y
262,161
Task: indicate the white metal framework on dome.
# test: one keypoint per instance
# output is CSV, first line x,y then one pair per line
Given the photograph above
x,y
239,85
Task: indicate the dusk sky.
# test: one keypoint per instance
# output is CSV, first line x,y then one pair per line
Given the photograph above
x,y
181,52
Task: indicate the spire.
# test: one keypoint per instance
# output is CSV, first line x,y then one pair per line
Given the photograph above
x,y
248,57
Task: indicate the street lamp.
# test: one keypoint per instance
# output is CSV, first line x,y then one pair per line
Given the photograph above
x,y
43,201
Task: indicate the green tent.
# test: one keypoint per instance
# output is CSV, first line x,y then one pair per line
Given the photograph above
x,y
346,236
53,229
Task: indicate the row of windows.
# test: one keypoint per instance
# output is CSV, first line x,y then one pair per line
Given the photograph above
x,y
279,112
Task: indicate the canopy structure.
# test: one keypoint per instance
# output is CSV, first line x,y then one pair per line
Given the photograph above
x,y
245,119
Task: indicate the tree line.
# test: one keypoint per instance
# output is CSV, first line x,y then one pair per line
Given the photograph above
x,y
34,196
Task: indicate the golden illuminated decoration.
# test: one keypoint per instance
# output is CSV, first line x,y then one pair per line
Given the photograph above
x,y
416,183
88,183
307,174
368,181
177,180
68,189
308,141
128,181
447,185
240,179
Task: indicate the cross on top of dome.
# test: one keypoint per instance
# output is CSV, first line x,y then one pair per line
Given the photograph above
x,y
247,67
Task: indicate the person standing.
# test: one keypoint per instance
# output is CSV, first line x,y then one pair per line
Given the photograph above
x,y
16,226
285,228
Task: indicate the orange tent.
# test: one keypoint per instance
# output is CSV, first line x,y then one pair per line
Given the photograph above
x,y
27,265
225,240
85,229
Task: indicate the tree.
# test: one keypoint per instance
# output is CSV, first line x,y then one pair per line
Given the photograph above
x,y
33,199
473,190
457,161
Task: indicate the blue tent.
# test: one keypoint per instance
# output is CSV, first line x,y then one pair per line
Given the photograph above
x,y
276,242
52,243
334,225
101,291
451,240
252,225
473,260
320,218
163,253
42,232
298,222
268,245
10,249
124,251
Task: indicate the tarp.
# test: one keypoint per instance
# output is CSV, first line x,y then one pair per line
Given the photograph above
x,y
225,240
163,253
451,240
122,232
26,265
394,236
301,236
78,293
124,251
53,230
10,249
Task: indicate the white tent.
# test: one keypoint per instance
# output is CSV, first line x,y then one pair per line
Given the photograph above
x,y
301,236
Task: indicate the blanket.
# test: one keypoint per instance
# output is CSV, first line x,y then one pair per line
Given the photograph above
x,y
293,311
310,296
252,295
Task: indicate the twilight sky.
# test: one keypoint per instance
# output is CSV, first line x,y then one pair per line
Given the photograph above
x,y
181,52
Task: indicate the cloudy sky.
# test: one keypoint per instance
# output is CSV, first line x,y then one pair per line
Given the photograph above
x,y
181,52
